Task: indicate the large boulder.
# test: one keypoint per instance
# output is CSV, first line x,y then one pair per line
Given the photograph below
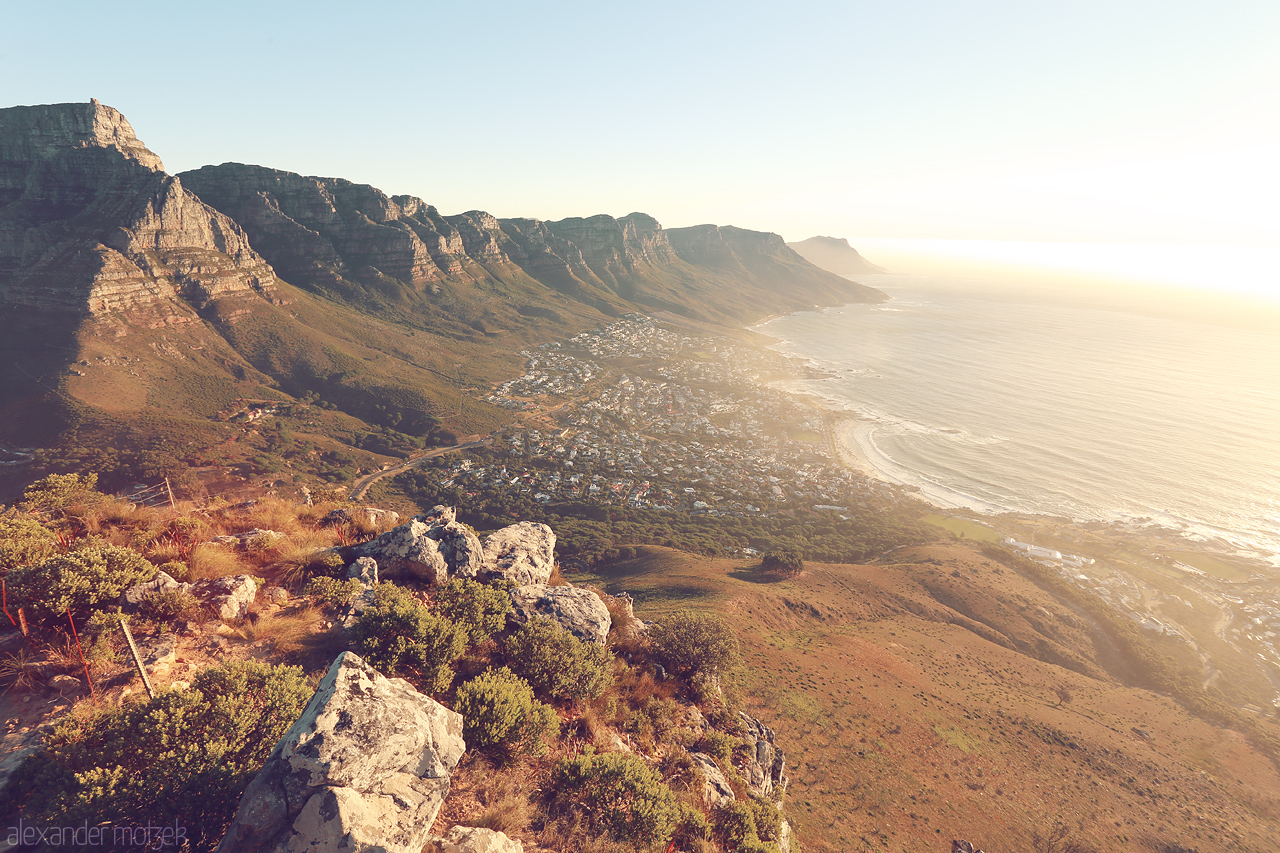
x,y
365,569
765,767
523,553
431,547
578,611
228,597
365,768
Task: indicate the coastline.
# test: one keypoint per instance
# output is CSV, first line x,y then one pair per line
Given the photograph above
x,y
1146,534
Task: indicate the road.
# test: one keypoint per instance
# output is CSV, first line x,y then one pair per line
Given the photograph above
x,y
363,484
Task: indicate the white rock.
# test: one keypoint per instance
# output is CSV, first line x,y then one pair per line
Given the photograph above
x,y
365,768
578,611
523,553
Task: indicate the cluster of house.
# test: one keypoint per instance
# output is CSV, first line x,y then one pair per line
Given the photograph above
x,y
696,433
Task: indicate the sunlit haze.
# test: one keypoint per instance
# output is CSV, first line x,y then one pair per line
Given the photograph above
x,y
1065,127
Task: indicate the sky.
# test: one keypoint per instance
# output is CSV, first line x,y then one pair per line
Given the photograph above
x,y
915,128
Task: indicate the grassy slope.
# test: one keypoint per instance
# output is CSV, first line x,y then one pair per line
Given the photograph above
x,y
918,701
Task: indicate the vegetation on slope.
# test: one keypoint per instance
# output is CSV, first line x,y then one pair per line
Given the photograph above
x,y
535,698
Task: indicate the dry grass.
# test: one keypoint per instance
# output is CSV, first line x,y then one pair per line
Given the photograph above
x,y
292,566
285,630
209,561
505,806
114,515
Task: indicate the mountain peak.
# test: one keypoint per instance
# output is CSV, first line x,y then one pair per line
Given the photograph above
x,y
43,132
835,255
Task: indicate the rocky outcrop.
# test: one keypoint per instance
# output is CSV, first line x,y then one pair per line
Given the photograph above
x,y
91,224
474,839
722,245
431,547
834,254
326,234
524,553
578,611
765,767
228,598
311,226
716,791
365,768
364,569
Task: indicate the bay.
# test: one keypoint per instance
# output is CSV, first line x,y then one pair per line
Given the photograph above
x,y
1134,411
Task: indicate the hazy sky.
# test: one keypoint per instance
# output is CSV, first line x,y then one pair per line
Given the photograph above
x,y
1115,121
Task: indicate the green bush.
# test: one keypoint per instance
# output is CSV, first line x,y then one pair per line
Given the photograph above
x,y
184,756
478,609
24,541
169,605
83,580
618,794
499,711
398,630
59,491
750,826
557,663
333,593
717,744
692,643
767,818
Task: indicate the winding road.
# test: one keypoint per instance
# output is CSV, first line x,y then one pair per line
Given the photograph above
x,y
363,484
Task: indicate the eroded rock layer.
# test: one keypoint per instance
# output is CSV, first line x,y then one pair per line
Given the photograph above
x,y
90,223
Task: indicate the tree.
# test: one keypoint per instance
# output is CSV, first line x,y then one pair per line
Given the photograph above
x,y
618,794
693,643
83,580
398,630
783,563
557,663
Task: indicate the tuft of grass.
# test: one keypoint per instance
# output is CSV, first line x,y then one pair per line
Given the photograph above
x,y
209,561
287,630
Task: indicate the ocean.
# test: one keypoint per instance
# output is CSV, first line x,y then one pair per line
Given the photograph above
x,y
1066,403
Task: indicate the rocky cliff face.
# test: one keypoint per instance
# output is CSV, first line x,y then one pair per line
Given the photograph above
x,y
91,224
312,227
615,248
331,235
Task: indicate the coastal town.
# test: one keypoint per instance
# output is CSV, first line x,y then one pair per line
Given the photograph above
x,y
637,415
652,419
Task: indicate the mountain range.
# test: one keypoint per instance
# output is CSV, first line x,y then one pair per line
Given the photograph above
x,y
139,304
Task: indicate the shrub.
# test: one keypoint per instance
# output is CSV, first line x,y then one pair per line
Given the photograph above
x,y
397,629
184,756
618,794
169,605
83,580
557,663
24,541
783,562
717,744
332,593
59,491
499,711
479,610
694,644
